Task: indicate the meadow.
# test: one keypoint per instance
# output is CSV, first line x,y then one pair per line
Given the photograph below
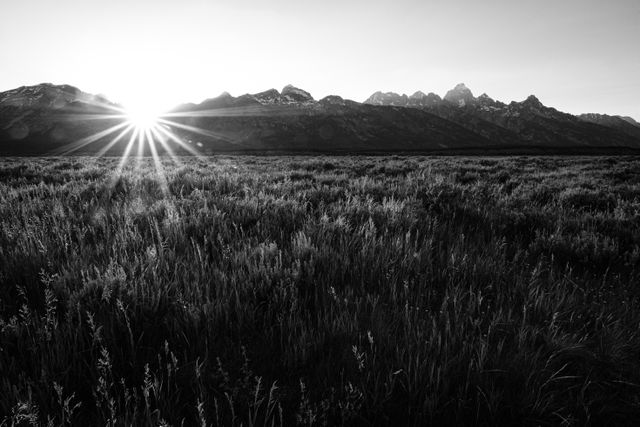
x,y
320,291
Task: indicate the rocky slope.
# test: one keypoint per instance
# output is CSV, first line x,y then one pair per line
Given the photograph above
x,y
623,124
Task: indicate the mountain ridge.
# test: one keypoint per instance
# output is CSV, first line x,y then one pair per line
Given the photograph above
x,y
42,118
530,120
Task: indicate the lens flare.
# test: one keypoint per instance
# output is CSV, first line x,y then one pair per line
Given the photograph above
x,y
142,117
142,130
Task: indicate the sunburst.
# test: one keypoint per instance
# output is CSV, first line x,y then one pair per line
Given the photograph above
x,y
147,130
142,119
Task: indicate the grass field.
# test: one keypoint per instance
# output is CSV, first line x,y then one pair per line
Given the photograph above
x,y
320,291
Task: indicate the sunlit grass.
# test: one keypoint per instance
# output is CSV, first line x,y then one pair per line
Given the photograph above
x,y
318,291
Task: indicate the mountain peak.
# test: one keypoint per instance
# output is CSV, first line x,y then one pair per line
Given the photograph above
x,y
270,96
333,100
532,100
38,116
387,98
420,99
486,103
294,94
46,95
460,95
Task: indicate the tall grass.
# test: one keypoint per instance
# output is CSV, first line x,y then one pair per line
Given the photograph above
x,y
320,291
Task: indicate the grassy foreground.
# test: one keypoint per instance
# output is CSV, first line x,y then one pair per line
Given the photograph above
x,y
320,291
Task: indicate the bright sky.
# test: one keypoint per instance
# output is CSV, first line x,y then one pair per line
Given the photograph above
x,y
576,55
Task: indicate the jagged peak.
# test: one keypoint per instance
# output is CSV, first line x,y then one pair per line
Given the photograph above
x,y
48,95
391,93
533,100
296,93
384,98
289,94
46,85
418,94
270,96
460,88
460,95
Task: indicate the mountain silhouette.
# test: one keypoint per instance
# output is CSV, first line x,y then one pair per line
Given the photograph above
x,y
46,118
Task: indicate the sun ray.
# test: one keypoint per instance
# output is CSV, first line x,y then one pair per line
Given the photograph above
x,y
180,142
123,160
125,155
200,131
106,148
158,131
164,186
141,144
90,116
150,128
162,139
246,111
104,105
171,213
76,145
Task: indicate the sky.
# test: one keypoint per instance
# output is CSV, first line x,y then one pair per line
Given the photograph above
x,y
575,55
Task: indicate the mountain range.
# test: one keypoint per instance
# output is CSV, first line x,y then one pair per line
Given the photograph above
x,y
47,119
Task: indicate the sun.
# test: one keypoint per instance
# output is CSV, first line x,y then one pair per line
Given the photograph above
x,y
142,117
